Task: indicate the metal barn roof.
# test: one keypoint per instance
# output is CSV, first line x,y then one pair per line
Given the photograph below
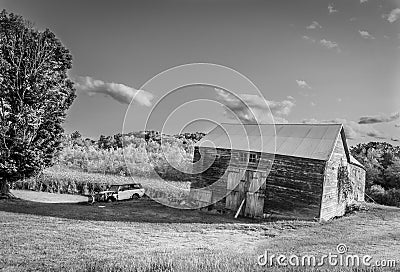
x,y
314,141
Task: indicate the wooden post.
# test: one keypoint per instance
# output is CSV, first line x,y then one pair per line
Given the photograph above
x,y
240,207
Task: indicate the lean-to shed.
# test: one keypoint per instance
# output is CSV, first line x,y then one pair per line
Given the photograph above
x,y
285,170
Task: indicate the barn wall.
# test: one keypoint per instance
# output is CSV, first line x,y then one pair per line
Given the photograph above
x,y
293,186
217,171
357,176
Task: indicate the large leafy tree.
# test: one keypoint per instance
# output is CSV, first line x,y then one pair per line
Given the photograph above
x,y
382,163
35,93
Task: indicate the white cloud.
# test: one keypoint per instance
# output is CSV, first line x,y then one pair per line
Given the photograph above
x,y
353,130
120,92
331,9
250,108
361,129
303,84
308,39
314,25
329,44
352,19
290,97
383,118
393,15
365,34
312,104
363,1
339,99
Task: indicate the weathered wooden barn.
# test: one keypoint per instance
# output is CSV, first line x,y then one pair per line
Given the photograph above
x,y
287,170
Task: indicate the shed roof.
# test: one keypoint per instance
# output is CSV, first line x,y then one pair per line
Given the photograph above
x,y
314,141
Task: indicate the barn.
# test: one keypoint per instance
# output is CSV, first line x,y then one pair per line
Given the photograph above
x,y
302,171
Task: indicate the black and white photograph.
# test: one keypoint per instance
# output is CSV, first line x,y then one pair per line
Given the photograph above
x,y
200,135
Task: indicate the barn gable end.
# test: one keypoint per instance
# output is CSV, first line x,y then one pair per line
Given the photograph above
x,y
344,180
330,203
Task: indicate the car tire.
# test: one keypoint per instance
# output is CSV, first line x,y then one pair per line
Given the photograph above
x,y
91,199
135,196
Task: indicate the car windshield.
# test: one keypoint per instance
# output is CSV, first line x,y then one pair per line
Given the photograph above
x,y
114,188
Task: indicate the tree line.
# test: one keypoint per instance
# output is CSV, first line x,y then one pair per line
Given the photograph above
x,y
382,163
120,140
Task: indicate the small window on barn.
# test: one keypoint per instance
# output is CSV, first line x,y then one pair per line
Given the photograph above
x,y
243,157
254,158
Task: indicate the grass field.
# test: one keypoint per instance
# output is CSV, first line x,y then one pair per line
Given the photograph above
x,y
142,235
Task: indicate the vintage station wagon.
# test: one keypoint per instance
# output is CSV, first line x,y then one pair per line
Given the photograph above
x,y
119,192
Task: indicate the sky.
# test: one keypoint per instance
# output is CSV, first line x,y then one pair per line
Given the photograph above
x,y
309,61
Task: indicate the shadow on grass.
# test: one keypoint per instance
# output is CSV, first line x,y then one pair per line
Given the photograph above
x,y
141,210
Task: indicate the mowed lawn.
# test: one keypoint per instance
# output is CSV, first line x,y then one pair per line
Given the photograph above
x,y
142,235
45,197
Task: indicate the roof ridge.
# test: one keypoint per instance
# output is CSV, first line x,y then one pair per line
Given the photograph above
x,y
289,124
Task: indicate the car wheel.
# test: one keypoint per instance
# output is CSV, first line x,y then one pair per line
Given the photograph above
x,y
91,199
135,196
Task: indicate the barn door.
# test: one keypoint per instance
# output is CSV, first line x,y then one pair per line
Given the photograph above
x,y
256,194
236,185
249,186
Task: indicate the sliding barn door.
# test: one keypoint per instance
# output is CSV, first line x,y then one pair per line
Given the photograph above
x,y
249,186
255,195
236,189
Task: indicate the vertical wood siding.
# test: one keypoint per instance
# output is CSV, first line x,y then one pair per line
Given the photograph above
x,y
357,175
332,205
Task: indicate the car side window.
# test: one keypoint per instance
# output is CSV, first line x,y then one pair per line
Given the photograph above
x,y
136,186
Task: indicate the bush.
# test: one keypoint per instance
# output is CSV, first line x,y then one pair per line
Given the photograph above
x,y
393,197
389,197
355,207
